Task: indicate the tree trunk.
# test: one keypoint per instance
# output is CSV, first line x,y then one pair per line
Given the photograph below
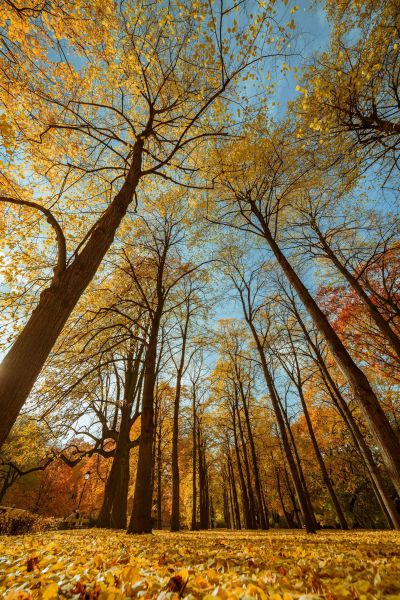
x,y
286,514
233,524
378,485
260,500
159,478
252,524
324,472
175,511
9,478
304,507
374,416
236,511
113,511
243,488
140,521
298,464
203,485
24,361
194,465
297,516
114,508
227,516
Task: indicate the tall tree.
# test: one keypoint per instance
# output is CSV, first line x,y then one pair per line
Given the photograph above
x,y
259,201
98,129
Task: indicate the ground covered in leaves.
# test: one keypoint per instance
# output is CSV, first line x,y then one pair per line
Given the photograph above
x,y
274,565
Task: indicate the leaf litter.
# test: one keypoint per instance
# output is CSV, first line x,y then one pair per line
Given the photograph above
x,y
98,564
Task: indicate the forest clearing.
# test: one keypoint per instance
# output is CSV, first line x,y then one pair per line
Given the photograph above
x,y
274,565
200,299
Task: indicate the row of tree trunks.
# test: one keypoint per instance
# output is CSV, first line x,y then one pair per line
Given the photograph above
x,y
377,422
262,510
378,484
307,515
296,378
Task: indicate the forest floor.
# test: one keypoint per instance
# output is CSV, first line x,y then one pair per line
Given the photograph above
x,y
273,565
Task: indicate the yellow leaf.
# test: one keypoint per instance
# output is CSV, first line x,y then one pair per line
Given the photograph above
x,y
130,574
50,592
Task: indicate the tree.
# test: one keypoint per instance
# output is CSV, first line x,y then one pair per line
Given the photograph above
x,y
350,95
190,304
122,105
163,234
259,198
328,241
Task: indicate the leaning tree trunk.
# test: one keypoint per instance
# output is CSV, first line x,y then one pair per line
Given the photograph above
x,y
386,503
374,415
383,496
324,472
300,493
257,480
24,361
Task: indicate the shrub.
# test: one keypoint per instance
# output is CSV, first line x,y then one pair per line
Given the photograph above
x,y
45,524
16,521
